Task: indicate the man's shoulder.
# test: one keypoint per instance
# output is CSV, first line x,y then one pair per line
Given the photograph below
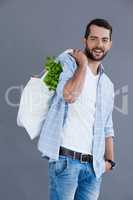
x,y
109,83
66,59
65,56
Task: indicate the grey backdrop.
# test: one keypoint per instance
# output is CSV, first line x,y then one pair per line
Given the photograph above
x,y
29,31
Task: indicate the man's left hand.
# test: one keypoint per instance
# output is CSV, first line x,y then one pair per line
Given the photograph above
x,y
107,166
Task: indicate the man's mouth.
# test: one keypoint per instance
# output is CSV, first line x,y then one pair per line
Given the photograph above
x,y
98,51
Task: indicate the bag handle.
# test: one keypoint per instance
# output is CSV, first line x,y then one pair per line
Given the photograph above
x,y
40,75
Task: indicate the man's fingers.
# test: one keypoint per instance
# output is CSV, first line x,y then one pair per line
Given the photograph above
x,y
76,50
74,53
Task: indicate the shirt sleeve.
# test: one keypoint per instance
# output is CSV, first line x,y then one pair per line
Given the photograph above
x,y
109,130
68,71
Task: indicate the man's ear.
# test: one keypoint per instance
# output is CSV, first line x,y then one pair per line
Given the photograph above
x,y
110,45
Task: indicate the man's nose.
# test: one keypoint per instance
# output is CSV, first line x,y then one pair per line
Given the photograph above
x,y
99,43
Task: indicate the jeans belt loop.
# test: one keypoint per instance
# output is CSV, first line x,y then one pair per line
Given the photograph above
x,y
74,155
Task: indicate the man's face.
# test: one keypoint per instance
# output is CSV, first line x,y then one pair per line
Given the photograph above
x,y
98,43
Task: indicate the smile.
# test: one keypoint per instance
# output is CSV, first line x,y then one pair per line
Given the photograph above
x,y
98,51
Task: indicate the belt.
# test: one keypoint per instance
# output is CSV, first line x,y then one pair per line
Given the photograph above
x,y
76,155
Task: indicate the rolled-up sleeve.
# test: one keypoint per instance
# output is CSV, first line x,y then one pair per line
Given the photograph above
x,y
109,129
67,72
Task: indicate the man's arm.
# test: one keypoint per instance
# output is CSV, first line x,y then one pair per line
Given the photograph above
x,y
109,136
109,148
109,153
73,87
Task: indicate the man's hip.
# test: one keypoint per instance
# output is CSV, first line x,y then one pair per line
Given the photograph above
x,y
71,179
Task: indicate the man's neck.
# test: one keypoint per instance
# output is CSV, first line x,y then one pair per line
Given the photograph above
x,y
94,66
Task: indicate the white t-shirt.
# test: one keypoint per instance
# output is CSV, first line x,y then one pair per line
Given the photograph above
x,y
78,129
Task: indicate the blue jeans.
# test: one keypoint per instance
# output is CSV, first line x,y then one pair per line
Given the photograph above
x,y
72,180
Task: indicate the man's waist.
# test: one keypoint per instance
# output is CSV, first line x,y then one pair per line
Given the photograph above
x,y
76,155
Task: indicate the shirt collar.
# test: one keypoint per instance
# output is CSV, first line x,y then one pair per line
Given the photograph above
x,y
100,69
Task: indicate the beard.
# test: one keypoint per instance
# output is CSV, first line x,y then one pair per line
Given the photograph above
x,y
94,55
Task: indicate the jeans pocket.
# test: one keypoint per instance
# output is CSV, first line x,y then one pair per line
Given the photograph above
x,y
59,166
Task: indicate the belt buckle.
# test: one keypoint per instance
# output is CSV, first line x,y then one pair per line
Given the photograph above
x,y
81,158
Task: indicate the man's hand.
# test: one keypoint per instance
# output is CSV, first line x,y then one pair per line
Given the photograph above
x,y
80,57
107,166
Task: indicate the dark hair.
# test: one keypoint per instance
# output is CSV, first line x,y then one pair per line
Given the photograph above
x,y
98,22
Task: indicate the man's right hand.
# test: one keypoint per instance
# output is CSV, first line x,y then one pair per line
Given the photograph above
x,y
80,57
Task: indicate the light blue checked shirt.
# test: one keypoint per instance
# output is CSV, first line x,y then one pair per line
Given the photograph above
x,y
50,138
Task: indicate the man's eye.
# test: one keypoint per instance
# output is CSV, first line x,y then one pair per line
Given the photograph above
x,y
93,38
105,41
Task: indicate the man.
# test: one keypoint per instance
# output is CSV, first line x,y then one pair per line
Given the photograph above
x,y
77,136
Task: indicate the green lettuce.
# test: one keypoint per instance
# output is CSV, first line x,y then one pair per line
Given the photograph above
x,y
53,70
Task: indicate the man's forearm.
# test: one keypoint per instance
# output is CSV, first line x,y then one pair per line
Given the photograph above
x,y
74,86
109,148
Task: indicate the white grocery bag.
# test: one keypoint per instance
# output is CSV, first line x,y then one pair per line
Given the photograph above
x,y
34,105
